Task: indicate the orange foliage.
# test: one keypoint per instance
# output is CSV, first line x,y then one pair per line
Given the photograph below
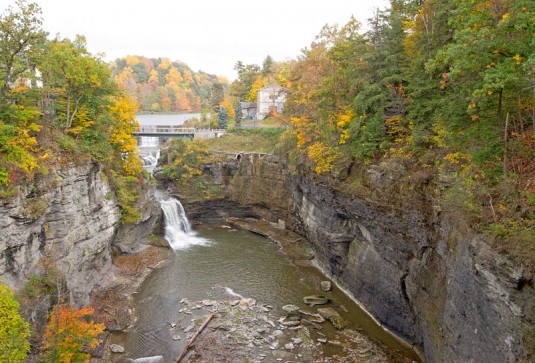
x,y
70,334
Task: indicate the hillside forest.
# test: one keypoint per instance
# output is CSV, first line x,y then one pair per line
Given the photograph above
x,y
160,85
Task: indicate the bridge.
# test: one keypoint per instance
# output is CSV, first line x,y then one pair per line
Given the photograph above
x,y
166,131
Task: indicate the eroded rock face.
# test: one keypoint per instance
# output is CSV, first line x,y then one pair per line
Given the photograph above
x,y
421,272
252,186
74,225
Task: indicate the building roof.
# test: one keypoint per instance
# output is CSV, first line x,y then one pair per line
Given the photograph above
x,y
248,104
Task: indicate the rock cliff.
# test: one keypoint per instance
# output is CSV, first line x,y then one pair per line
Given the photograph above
x,y
69,218
419,270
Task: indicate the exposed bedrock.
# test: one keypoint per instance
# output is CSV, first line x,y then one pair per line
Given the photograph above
x,y
70,220
421,272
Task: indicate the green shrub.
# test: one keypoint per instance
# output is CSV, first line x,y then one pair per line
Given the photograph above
x,y
14,330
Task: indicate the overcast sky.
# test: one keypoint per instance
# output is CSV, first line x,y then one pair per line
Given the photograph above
x,y
208,35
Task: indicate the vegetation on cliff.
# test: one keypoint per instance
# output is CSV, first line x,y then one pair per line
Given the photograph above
x,y
446,87
14,330
59,104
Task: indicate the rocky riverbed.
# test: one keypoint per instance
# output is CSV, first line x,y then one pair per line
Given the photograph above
x,y
244,330
241,329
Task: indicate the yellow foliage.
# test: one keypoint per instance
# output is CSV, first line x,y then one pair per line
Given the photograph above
x,y
301,130
458,158
165,64
123,111
70,334
174,78
344,120
258,84
132,60
440,136
81,121
323,156
153,76
399,152
229,107
396,128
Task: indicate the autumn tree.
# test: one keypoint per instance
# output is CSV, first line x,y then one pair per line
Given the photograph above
x,y
71,335
79,81
21,38
216,96
14,330
123,111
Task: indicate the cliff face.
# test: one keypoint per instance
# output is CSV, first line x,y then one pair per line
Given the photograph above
x,y
246,185
69,219
421,272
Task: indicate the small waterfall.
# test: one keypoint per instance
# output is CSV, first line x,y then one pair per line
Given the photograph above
x,y
178,231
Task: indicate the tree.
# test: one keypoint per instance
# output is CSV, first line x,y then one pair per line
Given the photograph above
x,y
70,335
216,96
14,330
238,113
21,37
123,112
266,66
258,84
247,74
75,77
222,118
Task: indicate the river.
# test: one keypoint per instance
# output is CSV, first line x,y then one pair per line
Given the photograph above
x,y
232,261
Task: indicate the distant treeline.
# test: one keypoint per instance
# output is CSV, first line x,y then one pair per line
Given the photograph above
x,y
164,85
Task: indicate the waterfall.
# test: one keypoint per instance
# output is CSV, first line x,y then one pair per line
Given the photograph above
x,y
178,231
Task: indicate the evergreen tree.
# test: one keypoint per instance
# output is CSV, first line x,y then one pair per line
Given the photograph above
x,y
222,118
247,74
266,66
238,113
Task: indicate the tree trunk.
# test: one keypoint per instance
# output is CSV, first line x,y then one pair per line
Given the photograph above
x,y
500,97
505,161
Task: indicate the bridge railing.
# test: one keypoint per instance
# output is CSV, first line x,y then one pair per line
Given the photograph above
x,y
165,130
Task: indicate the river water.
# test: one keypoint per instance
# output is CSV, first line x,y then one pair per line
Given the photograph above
x,y
231,262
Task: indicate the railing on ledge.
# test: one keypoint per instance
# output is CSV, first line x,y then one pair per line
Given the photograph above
x,y
173,131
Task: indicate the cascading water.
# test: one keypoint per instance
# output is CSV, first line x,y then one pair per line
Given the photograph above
x,y
178,231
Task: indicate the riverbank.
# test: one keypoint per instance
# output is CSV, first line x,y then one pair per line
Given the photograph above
x,y
113,301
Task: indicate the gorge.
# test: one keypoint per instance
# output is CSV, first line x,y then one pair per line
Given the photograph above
x,y
396,248
411,263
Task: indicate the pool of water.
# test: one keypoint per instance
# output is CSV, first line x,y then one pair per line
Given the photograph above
x,y
232,262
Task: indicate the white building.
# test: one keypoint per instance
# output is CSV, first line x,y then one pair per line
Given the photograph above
x,y
270,99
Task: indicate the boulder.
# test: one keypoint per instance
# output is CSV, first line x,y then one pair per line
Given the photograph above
x,y
116,348
315,300
325,286
332,315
